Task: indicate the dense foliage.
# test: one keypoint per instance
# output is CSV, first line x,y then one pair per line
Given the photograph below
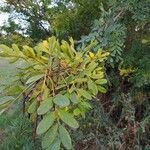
x,y
117,118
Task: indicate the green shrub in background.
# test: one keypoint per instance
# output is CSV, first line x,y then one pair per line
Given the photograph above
x,y
17,133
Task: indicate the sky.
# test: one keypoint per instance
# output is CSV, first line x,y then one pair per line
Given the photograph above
x,y
3,16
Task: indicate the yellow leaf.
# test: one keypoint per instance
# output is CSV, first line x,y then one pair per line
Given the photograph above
x,y
91,54
45,44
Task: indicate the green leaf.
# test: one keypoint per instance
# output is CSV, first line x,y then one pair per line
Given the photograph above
x,y
55,145
92,66
13,60
5,51
28,51
61,100
102,89
65,137
45,106
86,105
101,81
93,87
85,94
68,119
45,92
34,78
80,80
15,48
98,76
77,112
49,137
73,98
45,123
32,107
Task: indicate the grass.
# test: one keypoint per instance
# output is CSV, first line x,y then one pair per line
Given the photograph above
x,y
15,130
16,133
7,73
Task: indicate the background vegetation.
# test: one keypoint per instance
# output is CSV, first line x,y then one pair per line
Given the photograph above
x,y
119,119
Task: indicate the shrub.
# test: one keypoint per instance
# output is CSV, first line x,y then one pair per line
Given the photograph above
x,y
58,84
